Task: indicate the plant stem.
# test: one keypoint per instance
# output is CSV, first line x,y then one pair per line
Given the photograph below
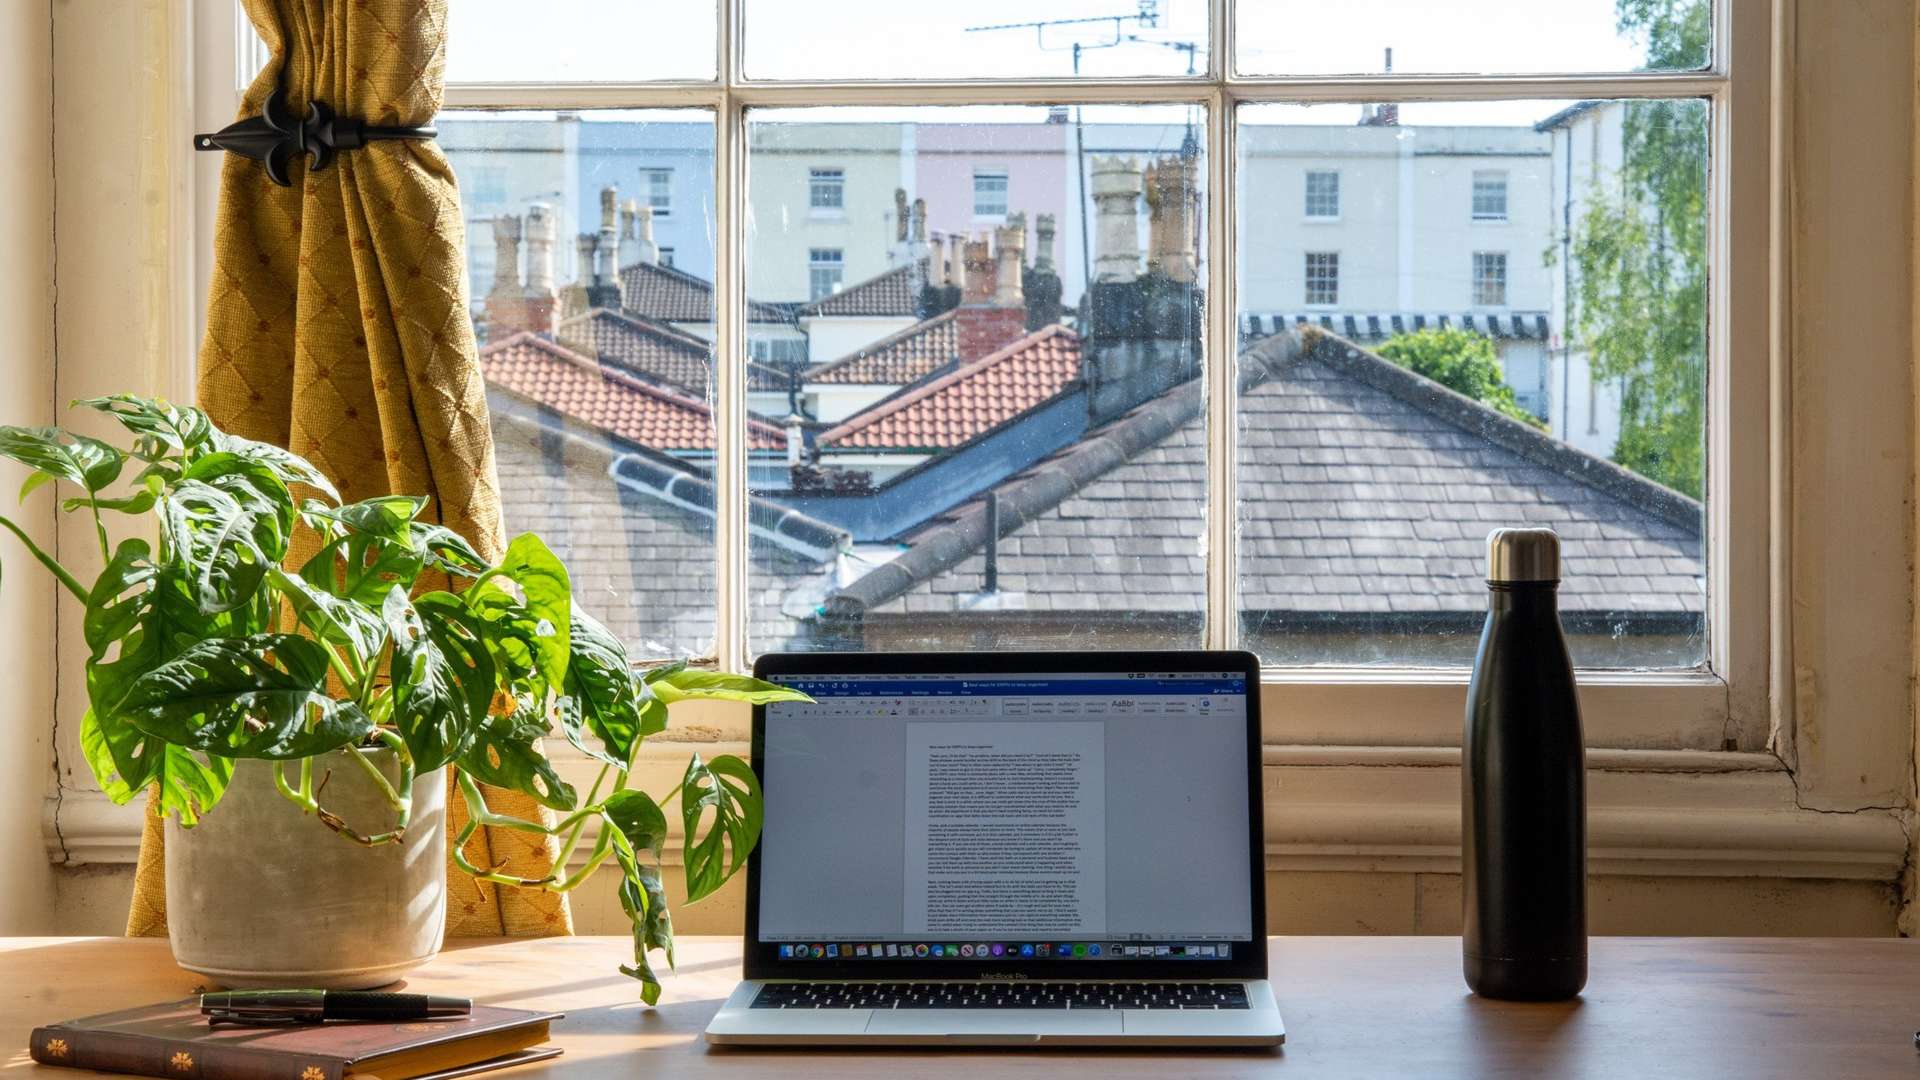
x,y
580,821
66,576
304,802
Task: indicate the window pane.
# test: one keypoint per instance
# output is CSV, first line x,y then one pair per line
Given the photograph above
x,y
595,350
1359,37
982,39
1432,374
579,41
959,376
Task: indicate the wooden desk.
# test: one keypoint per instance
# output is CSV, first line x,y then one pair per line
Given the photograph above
x,y
1354,1006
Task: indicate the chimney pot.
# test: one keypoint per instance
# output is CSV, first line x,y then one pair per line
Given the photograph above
x,y
1116,199
1170,191
977,256
1010,244
506,256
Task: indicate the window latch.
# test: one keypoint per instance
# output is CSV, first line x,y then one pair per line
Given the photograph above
x,y
274,137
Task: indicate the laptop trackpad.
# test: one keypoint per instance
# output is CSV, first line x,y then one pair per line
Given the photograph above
x,y
992,1022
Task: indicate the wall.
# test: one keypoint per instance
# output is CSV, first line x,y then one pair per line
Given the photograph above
x,y
26,397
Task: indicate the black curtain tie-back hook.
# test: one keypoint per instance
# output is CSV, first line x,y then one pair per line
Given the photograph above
x,y
274,137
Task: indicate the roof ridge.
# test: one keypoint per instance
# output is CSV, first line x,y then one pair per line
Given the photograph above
x,y
889,406
644,324
888,342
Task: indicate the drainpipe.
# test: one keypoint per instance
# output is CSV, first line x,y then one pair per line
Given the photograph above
x,y
990,581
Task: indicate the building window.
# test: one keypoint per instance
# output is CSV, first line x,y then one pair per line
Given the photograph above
x,y
666,256
989,193
1323,278
1490,279
1489,195
826,269
827,190
1323,193
657,184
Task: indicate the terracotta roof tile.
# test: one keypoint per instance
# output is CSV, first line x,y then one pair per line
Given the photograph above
x,y
891,293
660,292
653,350
897,359
958,406
609,398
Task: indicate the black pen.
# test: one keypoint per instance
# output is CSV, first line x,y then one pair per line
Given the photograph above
x,y
319,1006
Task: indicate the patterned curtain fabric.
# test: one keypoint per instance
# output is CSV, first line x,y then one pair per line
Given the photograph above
x,y
338,327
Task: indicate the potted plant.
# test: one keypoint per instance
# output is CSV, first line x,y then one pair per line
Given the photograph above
x,y
343,686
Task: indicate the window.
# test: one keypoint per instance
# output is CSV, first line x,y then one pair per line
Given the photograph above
x,y
826,268
658,186
990,193
1489,195
1343,529
1489,279
666,256
1323,278
1323,193
827,190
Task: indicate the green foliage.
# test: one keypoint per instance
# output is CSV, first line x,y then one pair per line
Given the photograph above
x,y
1461,361
203,648
1640,255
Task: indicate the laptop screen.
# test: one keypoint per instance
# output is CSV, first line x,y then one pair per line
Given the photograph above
x,y
984,818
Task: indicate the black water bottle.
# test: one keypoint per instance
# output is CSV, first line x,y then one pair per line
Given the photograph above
x,y
1523,786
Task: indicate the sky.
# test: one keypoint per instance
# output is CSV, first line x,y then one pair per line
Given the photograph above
x,y
622,40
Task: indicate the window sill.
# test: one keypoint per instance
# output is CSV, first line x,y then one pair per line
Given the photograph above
x,y
1673,813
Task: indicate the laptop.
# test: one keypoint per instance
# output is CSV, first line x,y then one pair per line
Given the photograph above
x,y
1007,849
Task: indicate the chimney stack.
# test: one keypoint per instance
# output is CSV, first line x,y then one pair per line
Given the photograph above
x,y
977,288
1043,241
630,233
900,215
1010,248
1041,282
603,290
917,231
1116,199
984,322
649,249
1170,187
539,303
502,309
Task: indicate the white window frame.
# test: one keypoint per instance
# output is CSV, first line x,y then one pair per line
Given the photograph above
x,y
659,189
666,256
1506,195
1307,193
1001,174
1730,704
817,262
1314,266
821,179
1488,268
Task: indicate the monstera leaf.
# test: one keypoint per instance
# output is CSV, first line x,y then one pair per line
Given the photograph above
x,y
506,753
442,674
721,809
257,697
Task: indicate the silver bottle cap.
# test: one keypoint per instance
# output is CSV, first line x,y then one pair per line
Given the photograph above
x,y
1523,555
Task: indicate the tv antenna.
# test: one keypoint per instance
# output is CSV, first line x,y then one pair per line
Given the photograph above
x,y
1119,31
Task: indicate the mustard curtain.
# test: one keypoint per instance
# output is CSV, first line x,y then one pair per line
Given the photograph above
x,y
337,326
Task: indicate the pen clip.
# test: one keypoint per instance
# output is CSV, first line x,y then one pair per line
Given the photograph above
x,y
257,1017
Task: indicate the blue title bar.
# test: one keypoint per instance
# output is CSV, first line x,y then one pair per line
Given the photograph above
x,y
966,687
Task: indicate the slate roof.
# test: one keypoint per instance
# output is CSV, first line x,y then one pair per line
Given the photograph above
x,y
887,294
1364,488
897,359
654,350
969,401
643,412
1518,325
667,294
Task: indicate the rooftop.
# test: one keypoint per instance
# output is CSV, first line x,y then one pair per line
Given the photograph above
x,y
897,359
954,408
890,294
609,398
654,350
1366,489
661,292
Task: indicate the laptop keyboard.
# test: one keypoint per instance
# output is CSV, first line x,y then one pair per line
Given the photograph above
x,y
1001,995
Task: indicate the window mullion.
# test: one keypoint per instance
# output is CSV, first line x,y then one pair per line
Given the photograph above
x,y
730,351
1221,369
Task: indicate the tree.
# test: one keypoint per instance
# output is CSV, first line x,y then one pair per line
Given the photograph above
x,y
1461,361
1640,259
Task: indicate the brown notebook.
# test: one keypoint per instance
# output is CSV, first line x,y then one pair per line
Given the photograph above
x,y
174,1040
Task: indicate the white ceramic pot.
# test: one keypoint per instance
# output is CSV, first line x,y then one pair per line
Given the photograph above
x,y
261,895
